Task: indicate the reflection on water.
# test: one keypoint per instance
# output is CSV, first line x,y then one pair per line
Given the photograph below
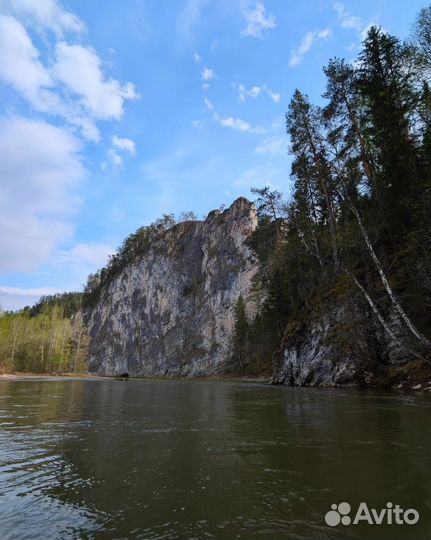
x,y
192,459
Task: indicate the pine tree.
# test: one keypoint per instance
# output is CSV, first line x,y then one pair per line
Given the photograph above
x,y
241,332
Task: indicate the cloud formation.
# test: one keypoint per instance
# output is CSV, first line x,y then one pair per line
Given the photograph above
x,y
78,68
349,21
256,91
41,163
297,55
119,145
208,74
92,256
69,84
244,93
232,122
40,168
272,146
46,14
346,19
124,144
257,21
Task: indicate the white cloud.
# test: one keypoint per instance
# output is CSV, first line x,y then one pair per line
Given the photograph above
x,y
20,64
272,146
44,14
349,21
35,291
244,93
92,255
73,265
72,86
235,123
232,122
197,58
256,91
14,298
124,144
257,21
208,74
77,262
115,158
205,86
208,104
188,18
346,19
238,124
40,168
297,56
274,96
79,69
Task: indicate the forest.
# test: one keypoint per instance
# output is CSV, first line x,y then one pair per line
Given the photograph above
x,y
356,228
49,337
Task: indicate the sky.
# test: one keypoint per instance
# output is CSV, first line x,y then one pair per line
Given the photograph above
x,y
113,113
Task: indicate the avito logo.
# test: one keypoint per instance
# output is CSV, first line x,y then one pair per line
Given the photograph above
x,y
389,515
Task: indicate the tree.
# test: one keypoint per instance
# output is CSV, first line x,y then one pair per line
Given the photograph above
x,y
344,119
269,203
422,35
241,331
386,83
304,123
187,216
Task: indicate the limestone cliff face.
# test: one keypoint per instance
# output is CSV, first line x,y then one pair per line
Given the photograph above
x,y
340,343
171,312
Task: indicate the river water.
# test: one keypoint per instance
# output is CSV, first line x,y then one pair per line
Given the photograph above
x,y
206,459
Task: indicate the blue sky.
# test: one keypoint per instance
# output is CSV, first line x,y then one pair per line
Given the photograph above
x,y
113,113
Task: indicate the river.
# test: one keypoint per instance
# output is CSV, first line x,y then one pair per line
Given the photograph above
x,y
147,459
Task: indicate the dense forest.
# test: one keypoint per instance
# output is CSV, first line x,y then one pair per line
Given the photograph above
x,y
356,228
48,337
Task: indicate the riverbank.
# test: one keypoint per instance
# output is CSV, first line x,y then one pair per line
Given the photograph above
x,y
406,386
21,376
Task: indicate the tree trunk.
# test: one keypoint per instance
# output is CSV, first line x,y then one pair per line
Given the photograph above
x,y
382,320
386,284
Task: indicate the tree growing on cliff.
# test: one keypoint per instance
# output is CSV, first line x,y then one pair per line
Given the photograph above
x,y
240,333
358,220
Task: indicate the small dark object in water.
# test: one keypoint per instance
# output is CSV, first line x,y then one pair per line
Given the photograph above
x,y
122,376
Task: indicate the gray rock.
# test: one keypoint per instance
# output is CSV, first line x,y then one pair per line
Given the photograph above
x,y
339,343
171,312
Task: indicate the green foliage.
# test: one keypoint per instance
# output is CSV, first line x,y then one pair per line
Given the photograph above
x,y
135,245
362,158
43,339
69,303
422,35
241,332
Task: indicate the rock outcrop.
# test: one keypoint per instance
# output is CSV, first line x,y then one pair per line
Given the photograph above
x,y
171,311
339,342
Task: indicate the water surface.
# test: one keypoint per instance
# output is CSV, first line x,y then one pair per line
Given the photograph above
x,y
194,459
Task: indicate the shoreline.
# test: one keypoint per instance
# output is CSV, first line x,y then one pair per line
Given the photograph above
x,y
31,376
21,376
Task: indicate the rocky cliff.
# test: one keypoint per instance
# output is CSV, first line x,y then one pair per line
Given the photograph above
x,y
339,342
171,311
